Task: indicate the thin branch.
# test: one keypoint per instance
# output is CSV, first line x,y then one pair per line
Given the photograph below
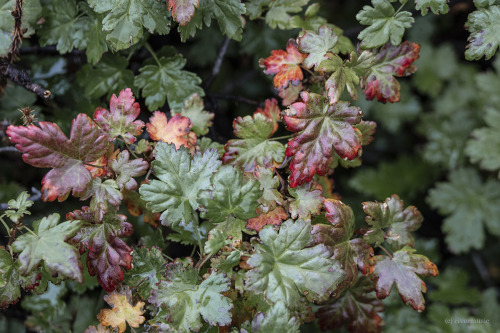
x,y
21,77
481,268
202,261
218,63
235,98
49,50
9,149
18,32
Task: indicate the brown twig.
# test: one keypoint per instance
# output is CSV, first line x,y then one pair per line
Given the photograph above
x,y
21,77
9,149
18,32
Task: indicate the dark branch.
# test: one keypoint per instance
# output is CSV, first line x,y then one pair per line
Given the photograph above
x,y
35,196
218,63
481,268
235,98
50,50
21,77
18,32
9,149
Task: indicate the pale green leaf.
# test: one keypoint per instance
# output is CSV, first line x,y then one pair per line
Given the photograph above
x,y
317,45
276,320
436,6
147,270
483,24
19,207
194,109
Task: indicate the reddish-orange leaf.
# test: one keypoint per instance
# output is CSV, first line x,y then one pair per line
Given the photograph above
x,y
183,10
271,111
122,311
285,64
274,217
177,130
290,94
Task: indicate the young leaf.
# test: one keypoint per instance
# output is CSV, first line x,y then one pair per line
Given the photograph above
x,y
276,320
484,145
284,269
177,130
21,205
357,308
402,269
121,121
181,179
185,298
107,251
285,64
384,24
182,10
308,200
391,213
278,14
458,198
103,194
437,6
253,148
125,20
47,147
194,110
483,25
232,196
125,170
317,45
322,129
164,79
269,185
390,61
122,312
49,245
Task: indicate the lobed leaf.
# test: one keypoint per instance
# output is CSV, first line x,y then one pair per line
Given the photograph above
x,y
49,246
384,24
402,269
177,130
182,10
194,110
278,11
276,320
322,129
122,312
284,269
102,194
317,45
19,207
126,170
121,121
307,201
47,147
390,61
273,217
180,181
285,64
483,25
437,6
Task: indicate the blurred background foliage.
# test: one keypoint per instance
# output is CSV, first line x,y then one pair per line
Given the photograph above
x,y
429,149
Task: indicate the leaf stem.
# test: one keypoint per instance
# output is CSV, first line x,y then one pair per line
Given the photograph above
x,y
93,165
400,7
202,262
282,137
129,149
30,231
5,224
196,222
150,50
385,250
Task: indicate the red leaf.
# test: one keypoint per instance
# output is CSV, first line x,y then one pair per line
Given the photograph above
x,y
120,120
108,253
285,64
273,217
322,129
390,61
48,147
182,10
271,111
177,130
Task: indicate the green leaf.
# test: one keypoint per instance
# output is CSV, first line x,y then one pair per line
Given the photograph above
x,y
165,79
102,194
21,205
317,45
402,269
188,234
181,179
407,176
391,213
49,245
276,320
63,26
483,24
125,20
194,109
206,144
269,185
254,147
278,11
225,264
384,24
470,205
148,269
109,76
448,282
96,44
185,299
307,201
357,308
484,146
437,6
227,13
284,269
233,196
